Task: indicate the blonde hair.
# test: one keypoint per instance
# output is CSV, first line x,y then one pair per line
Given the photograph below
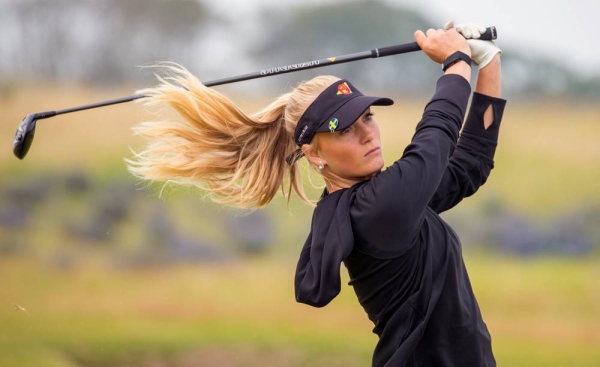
x,y
239,159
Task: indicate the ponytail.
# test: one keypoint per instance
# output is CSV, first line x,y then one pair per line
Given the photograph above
x,y
240,160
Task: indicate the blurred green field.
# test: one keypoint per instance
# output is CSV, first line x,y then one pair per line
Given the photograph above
x,y
541,311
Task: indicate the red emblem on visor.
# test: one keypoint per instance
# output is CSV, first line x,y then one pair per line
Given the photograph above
x,y
343,88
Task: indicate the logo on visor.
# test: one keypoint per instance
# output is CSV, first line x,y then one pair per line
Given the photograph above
x,y
343,88
333,124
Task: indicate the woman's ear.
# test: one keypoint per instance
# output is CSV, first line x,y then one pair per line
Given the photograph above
x,y
310,154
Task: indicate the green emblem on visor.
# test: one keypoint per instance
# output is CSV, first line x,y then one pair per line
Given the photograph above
x,y
333,124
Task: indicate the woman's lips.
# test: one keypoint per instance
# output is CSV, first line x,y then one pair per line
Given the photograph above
x,y
372,151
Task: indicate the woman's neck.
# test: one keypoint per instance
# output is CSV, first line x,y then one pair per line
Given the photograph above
x,y
334,182
338,183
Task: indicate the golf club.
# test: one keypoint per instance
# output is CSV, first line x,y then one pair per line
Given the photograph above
x,y
26,129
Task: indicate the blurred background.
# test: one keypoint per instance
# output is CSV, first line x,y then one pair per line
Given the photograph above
x,y
99,269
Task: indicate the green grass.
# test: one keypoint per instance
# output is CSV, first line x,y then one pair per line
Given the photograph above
x,y
97,313
540,312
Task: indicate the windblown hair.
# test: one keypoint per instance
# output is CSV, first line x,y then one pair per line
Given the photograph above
x,y
239,159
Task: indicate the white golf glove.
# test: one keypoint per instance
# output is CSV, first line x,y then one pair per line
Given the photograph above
x,y
482,52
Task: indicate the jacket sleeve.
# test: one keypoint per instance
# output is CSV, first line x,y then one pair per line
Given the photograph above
x,y
473,158
394,202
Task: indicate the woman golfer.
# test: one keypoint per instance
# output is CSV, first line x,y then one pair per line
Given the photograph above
x,y
404,262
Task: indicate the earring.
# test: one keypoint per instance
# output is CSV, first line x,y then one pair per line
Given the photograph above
x,y
321,165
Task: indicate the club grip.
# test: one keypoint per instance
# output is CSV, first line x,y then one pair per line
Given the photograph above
x,y
490,34
395,50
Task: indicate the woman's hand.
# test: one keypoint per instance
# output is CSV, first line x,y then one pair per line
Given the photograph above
x,y
439,44
482,52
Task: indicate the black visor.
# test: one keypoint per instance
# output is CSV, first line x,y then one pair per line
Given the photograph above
x,y
336,108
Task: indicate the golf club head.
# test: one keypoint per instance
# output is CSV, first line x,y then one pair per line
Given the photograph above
x,y
24,135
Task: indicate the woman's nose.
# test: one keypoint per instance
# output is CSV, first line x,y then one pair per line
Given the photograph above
x,y
366,134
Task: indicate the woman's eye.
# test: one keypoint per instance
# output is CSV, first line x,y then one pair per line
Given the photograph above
x,y
346,130
369,116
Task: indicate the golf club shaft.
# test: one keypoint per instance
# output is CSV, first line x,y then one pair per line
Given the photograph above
x,y
490,34
96,105
386,51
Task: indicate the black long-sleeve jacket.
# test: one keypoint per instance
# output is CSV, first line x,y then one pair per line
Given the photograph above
x,y
405,263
